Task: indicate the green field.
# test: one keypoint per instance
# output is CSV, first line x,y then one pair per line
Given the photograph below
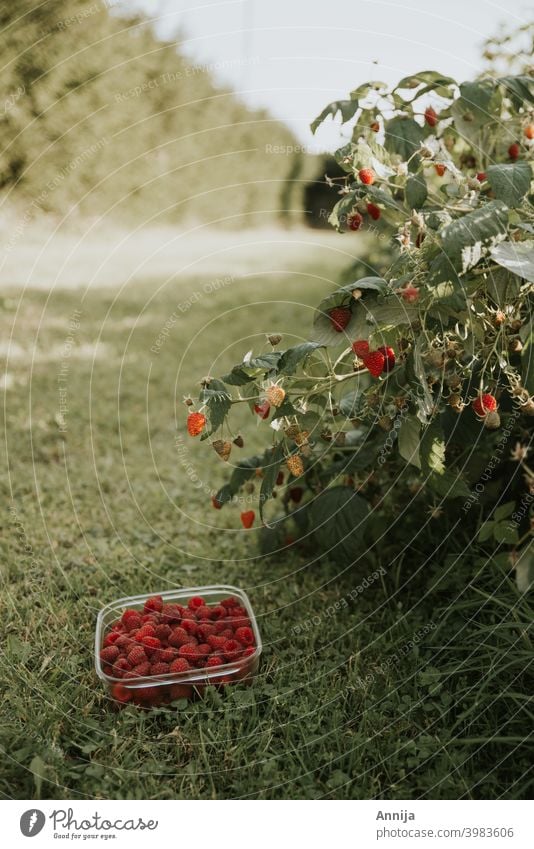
x,y
409,685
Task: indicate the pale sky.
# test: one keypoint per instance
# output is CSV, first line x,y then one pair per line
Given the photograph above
x,y
294,57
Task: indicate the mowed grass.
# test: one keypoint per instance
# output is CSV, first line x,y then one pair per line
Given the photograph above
x,y
404,676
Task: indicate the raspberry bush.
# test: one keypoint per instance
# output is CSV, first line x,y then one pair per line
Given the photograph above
x,y
423,377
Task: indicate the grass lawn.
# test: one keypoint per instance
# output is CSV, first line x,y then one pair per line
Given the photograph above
x,y
413,686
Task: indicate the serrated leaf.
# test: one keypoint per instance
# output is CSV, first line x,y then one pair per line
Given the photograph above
x,y
486,531
366,284
237,377
351,404
517,257
416,191
264,362
363,90
409,439
272,461
510,181
503,511
218,402
519,89
403,136
482,226
346,108
293,357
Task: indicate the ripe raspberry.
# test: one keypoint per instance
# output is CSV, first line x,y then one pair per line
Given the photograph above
x,y
111,638
167,655
296,493
262,409
151,644
204,631
232,649
149,695
215,504
141,670
228,602
245,636
190,626
203,650
131,619
214,660
125,642
360,347
529,131
481,176
431,116
216,641
389,357
153,605
195,602
484,404
374,363
247,518
189,651
120,667
339,318
410,294
203,613
159,668
367,176
228,633
237,610
180,665
195,423
238,622
355,221
147,630
375,126
121,693
218,612
295,465
180,691
136,655
249,651
440,169
109,654
162,632
172,613
514,150
374,211
275,395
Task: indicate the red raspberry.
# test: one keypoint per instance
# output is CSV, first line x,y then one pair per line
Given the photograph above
x,y
484,404
228,634
131,619
120,667
140,671
239,622
163,632
367,176
262,409
355,221
195,423
216,642
121,693
111,638
529,131
339,318
410,294
159,668
218,612
146,631
153,605
245,636
247,518
150,619
204,631
249,651
360,347
109,654
374,363
179,637
190,626
151,643
220,626
228,602
180,691
167,655
481,176
125,642
232,649
172,613
440,169
374,211
214,660
203,649
136,655
514,150
389,357
431,116
203,612
150,695
195,602
296,493
189,651
180,665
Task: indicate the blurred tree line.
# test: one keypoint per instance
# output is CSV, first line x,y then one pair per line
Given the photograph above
x,y
98,114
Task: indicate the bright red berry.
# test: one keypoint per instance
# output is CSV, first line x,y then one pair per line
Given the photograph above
x,y
247,518
374,363
514,150
109,654
196,602
167,655
245,636
172,613
121,693
111,638
229,602
180,665
360,347
410,294
389,357
195,423
481,176
367,176
262,409
190,626
178,637
203,650
136,656
147,630
139,671
374,211
216,641
355,221
131,619
250,650
431,116
232,649
485,403
189,651
159,668
529,131
151,643
339,318
440,169
153,604
204,631
214,660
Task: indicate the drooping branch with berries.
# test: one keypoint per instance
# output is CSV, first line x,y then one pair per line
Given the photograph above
x,y
414,375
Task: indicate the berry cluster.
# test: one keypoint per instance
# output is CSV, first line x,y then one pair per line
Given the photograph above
x,y
169,639
376,362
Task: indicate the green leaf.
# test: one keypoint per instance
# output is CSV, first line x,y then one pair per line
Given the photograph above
x,y
504,511
519,89
347,109
363,90
337,518
218,403
237,377
39,770
510,181
504,532
517,257
486,531
351,404
527,357
416,191
366,284
477,228
291,358
273,460
265,362
409,439
524,569
431,79
473,109
416,374
403,136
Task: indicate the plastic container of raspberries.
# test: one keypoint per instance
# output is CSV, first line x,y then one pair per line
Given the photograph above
x,y
151,650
